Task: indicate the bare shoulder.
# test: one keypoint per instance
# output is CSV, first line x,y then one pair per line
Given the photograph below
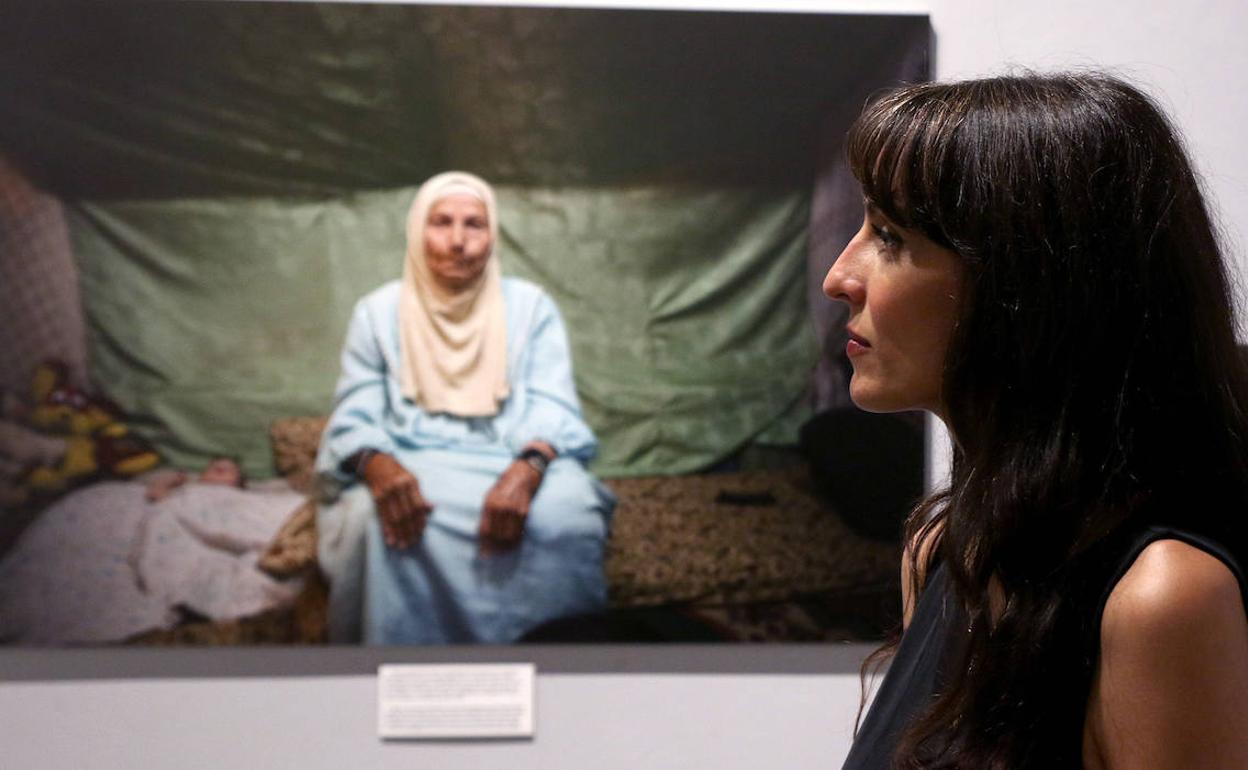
x,y
1174,586
1171,683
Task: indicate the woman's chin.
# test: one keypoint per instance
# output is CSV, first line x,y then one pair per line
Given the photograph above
x,y
456,282
869,397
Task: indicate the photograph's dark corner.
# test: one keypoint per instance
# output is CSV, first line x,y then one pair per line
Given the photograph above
x,y
194,196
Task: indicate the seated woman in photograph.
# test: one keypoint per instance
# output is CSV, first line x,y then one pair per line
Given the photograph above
x,y
476,519
1038,269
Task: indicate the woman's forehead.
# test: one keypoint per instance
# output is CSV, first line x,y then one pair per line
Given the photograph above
x,y
458,201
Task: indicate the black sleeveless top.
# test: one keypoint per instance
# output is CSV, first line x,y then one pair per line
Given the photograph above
x,y
932,645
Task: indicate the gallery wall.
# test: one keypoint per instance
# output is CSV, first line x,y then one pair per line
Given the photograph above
x,y
641,707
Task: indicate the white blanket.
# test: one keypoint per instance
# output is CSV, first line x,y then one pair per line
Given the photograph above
x,y
102,564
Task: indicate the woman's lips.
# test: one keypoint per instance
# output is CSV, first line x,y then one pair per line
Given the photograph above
x,y
856,346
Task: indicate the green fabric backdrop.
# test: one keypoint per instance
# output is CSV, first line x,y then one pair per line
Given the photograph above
x,y
210,318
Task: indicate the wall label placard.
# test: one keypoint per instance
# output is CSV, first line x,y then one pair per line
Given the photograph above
x,y
490,700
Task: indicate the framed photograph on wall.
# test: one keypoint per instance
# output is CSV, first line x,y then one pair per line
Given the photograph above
x,y
194,197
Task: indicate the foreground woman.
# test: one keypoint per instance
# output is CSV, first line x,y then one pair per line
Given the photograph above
x,y
1038,269
476,519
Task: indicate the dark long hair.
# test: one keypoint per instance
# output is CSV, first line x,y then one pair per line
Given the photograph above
x,y
1092,382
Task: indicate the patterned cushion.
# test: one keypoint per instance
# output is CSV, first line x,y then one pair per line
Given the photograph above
x,y
724,538
295,441
40,305
293,549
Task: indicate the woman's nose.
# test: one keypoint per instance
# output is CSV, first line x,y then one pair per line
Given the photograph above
x,y
841,282
457,236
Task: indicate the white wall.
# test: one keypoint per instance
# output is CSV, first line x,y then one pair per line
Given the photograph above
x,y
1189,54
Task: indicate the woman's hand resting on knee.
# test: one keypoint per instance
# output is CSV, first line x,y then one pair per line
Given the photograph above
x,y
507,505
402,509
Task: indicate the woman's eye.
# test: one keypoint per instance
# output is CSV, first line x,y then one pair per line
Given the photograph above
x,y
886,235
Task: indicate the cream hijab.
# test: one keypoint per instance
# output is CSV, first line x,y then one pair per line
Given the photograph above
x,y
453,344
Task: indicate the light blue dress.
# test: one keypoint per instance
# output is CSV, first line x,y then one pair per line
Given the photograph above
x,y
442,590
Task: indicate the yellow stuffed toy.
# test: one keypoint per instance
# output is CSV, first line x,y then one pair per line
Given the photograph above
x,y
97,442
22,449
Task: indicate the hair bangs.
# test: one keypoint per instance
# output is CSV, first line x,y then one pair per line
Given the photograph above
x,y
896,150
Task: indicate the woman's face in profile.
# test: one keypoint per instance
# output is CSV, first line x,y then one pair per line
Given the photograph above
x,y
457,241
903,293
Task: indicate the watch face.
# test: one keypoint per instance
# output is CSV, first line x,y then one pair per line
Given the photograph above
x,y
535,458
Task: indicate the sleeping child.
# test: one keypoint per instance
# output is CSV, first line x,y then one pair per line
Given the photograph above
x,y
220,470
118,558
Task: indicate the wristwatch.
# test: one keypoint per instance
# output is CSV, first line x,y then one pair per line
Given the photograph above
x,y
355,463
535,458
